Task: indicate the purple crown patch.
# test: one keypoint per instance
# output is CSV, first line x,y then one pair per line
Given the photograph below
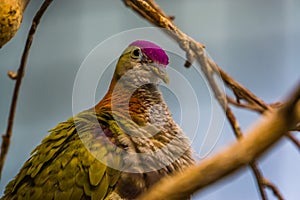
x,y
152,51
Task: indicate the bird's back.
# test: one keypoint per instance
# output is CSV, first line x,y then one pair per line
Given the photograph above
x,y
61,167
68,164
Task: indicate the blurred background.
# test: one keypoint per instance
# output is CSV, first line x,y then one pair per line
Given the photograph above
x,y
256,42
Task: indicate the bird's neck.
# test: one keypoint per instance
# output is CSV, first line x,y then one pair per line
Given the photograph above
x,y
139,103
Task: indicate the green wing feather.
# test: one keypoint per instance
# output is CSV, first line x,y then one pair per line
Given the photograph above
x,y
61,167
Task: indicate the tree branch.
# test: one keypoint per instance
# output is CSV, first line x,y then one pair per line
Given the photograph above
x,y
263,135
7,136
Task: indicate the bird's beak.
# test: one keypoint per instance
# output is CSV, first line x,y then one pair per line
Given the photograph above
x,y
161,73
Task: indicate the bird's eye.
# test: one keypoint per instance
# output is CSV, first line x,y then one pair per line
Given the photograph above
x,y
136,53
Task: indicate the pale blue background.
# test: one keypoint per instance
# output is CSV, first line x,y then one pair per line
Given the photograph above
x,y
257,42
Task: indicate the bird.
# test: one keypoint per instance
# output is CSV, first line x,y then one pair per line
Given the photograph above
x,y
118,148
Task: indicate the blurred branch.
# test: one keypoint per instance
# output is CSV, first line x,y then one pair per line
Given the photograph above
x,y
240,91
293,138
274,189
247,106
195,51
259,179
238,133
254,166
11,14
267,131
7,136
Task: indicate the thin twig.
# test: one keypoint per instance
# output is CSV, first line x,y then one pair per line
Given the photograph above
x,y
259,179
247,106
254,166
7,136
242,92
293,138
274,189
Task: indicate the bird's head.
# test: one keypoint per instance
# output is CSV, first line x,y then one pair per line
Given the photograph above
x,y
142,62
